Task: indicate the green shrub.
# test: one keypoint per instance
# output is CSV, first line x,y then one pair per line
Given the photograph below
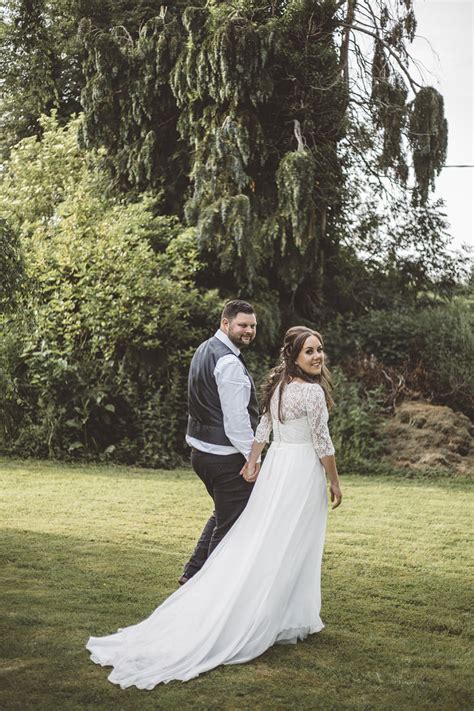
x,y
12,276
94,365
432,347
355,425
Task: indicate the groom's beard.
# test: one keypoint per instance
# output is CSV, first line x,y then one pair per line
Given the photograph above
x,y
241,341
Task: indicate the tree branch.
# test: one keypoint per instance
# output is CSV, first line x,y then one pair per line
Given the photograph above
x,y
414,85
344,56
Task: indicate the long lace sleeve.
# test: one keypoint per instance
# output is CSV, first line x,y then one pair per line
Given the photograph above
x,y
264,428
317,413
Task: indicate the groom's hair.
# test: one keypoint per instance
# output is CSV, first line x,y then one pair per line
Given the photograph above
x,y
232,308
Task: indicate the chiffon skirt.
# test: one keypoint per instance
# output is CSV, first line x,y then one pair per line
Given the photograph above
x,y
261,584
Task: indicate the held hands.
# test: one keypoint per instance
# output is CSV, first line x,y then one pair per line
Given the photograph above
x,y
250,471
336,494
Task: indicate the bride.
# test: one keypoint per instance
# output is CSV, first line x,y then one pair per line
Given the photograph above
x,y
261,584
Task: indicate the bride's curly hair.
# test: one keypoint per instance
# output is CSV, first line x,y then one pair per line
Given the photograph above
x,y
287,369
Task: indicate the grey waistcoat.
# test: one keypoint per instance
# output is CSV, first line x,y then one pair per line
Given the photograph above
x,y
206,421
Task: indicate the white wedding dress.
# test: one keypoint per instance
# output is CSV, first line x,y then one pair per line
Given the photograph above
x,y
261,584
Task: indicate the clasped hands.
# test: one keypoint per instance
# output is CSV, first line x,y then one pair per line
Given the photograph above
x,y
250,471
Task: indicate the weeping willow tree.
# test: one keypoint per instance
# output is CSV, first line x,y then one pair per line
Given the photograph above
x,y
230,113
233,115
41,57
383,81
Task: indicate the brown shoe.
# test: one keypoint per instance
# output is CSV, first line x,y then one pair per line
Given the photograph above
x,y
183,579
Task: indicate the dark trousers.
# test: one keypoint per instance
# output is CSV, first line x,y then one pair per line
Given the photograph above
x,y
230,493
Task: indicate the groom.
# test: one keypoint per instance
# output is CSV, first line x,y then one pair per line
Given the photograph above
x,y
223,416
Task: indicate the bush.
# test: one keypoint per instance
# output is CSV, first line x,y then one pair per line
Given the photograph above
x,y
432,349
355,424
76,386
12,277
95,364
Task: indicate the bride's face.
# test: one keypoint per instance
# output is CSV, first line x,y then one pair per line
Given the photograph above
x,y
311,356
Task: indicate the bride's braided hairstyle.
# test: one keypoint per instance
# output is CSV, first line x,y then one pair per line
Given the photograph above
x,y
287,369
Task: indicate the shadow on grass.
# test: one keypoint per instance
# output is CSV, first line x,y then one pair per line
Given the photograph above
x,y
380,649
109,471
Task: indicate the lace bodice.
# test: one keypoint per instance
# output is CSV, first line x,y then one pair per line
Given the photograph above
x,y
300,400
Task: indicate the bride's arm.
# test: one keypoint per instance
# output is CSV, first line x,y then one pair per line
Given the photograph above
x,y
262,436
329,464
318,421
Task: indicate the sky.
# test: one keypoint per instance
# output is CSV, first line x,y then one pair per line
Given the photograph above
x,y
447,25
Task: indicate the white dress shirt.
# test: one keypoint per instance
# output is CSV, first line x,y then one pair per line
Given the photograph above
x,y
234,389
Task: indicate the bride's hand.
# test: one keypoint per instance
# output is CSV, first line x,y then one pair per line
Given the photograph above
x,y
336,495
250,471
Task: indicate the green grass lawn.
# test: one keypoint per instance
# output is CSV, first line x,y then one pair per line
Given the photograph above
x,y
89,549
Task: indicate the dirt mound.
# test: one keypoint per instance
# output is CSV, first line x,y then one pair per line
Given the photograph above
x,y
424,436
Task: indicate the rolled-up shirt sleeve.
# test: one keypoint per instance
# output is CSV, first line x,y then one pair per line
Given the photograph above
x,y
234,388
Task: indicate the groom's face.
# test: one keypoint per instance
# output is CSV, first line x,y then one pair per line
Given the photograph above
x,y
241,329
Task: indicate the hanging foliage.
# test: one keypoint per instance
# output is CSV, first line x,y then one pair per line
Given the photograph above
x,y
134,113
295,181
204,105
428,138
234,115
